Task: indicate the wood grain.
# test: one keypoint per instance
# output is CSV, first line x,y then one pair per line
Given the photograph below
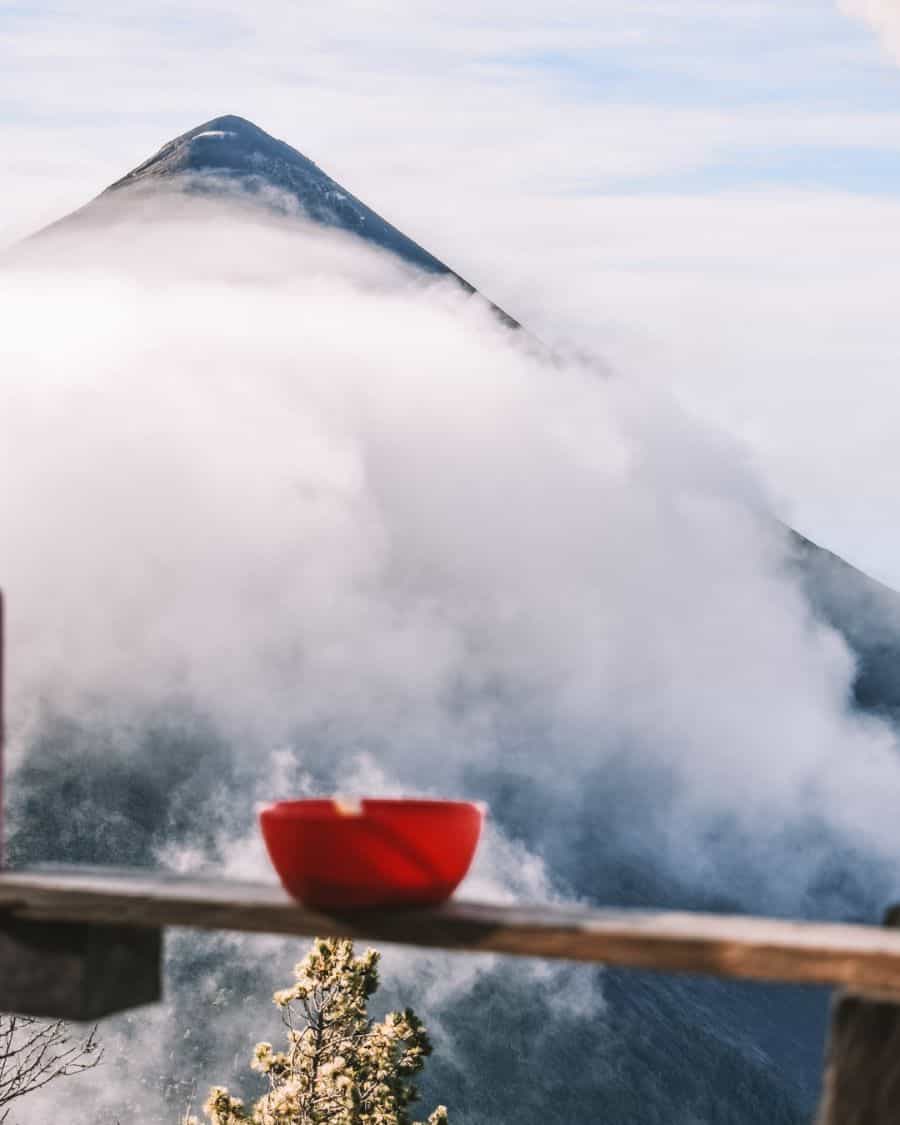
x,y
865,959
862,1075
862,1063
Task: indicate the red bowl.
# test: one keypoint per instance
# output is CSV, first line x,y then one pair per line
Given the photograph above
x,y
375,853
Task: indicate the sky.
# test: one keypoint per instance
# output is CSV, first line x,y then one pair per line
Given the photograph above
x,y
704,193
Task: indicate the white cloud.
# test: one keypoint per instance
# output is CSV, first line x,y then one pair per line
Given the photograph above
x,y
443,99
268,471
767,312
476,132
883,16
506,143
275,476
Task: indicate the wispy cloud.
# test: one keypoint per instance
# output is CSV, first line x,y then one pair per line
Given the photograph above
x,y
438,98
883,16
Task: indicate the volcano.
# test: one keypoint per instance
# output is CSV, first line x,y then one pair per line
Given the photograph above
x,y
230,157
688,1051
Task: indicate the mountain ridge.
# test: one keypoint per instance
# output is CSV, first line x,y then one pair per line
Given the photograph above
x,y
230,152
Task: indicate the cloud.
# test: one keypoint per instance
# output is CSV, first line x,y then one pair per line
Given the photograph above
x,y
882,16
765,312
278,471
269,477
566,174
439,101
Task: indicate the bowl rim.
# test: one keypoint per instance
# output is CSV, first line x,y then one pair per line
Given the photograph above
x,y
336,808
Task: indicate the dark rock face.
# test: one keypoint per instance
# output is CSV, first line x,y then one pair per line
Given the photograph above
x,y
662,1050
866,613
232,155
233,150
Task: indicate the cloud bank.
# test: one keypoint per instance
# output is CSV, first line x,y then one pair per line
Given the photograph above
x,y
266,477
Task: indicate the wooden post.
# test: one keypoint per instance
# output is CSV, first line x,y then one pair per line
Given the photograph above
x,y
862,1073
77,971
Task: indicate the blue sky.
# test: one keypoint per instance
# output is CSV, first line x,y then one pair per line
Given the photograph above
x,y
802,85
705,191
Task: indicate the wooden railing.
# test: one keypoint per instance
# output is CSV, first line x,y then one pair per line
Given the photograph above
x,y
82,943
864,958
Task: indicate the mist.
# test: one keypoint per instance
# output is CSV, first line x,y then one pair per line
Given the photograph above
x,y
284,517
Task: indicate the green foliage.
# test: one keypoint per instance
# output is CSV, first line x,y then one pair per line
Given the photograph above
x,y
337,1066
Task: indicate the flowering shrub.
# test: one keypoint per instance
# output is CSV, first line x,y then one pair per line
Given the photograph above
x,y
337,1066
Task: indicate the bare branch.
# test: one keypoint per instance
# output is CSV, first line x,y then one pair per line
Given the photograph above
x,y
34,1053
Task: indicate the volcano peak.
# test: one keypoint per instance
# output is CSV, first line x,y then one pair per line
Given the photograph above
x,y
229,156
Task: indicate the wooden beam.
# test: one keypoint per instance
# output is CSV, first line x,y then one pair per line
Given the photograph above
x,y
863,958
74,971
862,1066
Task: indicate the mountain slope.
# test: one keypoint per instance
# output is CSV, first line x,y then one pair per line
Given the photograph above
x,y
232,155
